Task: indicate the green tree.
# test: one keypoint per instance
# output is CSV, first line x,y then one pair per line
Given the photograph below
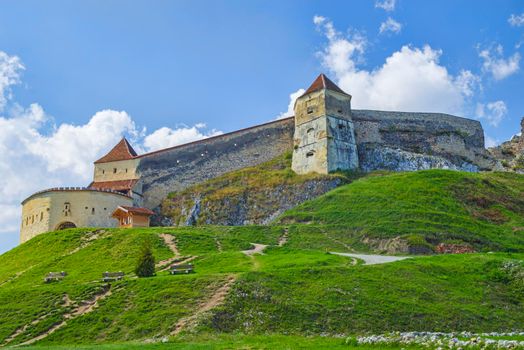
x,y
145,266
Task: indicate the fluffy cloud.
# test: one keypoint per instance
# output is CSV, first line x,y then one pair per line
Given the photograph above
x,y
493,112
290,107
498,66
390,26
411,79
386,5
35,153
166,137
516,20
490,141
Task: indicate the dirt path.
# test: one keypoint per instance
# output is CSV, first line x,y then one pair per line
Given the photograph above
x,y
257,249
168,265
170,242
84,308
216,299
18,274
219,245
371,259
284,238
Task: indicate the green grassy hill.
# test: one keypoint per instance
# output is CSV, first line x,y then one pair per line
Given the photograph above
x,y
295,289
424,208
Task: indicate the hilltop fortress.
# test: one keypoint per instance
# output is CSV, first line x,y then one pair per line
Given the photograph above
x,y
324,135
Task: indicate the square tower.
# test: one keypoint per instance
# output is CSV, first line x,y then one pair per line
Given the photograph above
x,y
324,138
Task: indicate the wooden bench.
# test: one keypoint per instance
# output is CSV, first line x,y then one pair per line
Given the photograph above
x,y
177,269
112,276
54,276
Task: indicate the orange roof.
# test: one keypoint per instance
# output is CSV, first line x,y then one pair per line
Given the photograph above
x,y
119,185
122,151
322,82
134,210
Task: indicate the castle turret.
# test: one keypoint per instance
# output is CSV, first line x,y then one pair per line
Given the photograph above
x,y
324,138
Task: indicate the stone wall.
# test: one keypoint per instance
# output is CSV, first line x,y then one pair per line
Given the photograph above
x,y
176,168
411,141
46,210
385,140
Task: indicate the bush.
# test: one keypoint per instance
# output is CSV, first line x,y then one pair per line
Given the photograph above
x,y
145,266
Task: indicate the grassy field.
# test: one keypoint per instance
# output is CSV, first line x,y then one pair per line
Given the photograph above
x,y
295,293
485,210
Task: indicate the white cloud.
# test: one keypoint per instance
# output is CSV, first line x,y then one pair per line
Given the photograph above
x,y
390,25
498,66
290,107
10,67
490,141
166,137
35,153
492,112
411,79
516,20
386,5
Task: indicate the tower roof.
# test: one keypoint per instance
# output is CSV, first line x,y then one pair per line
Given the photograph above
x,y
122,151
322,82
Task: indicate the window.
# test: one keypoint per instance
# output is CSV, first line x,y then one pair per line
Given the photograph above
x,y
126,170
310,130
339,111
114,170
92,211
67,208
310,110
41,216
103,171
341,126
310,154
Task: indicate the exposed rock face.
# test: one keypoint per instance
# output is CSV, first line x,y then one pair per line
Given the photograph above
x,y
243,208
511,153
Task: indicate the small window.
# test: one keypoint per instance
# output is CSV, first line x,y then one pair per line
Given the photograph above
x,y
341,126
114,170
41,216
310,154
103,171
92,211
339,111
310,110
126,170
310,130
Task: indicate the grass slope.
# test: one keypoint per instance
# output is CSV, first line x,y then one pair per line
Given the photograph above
x,y
485,210
291,291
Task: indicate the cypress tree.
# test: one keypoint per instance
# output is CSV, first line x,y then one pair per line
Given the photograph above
x,y
145,266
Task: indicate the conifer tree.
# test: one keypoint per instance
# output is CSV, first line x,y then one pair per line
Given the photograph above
x,y
146,262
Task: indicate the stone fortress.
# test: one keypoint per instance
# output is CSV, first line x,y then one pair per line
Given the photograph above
x,y
325,135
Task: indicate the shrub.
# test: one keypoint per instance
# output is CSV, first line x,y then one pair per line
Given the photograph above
x,y
145,266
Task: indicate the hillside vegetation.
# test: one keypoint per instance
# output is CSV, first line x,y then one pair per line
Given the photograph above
x,y
288,290
254,195
394,211
294,288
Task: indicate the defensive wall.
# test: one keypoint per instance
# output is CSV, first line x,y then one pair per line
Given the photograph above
x,y
65,207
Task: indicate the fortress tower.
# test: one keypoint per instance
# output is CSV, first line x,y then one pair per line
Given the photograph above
x,y
324,139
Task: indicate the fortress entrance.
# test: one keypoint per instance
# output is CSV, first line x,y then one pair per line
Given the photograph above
x,y
65,225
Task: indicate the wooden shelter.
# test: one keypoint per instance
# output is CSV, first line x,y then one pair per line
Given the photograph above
x,y
132,216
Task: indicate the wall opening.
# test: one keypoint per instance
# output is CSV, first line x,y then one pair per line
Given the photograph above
x,y
310,154
92,211
114,170
65,225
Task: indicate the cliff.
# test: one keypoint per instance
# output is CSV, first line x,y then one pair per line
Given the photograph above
x,y
254,195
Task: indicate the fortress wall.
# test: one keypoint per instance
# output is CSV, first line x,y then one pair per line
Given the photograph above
x,y
50,206
176,168
446,137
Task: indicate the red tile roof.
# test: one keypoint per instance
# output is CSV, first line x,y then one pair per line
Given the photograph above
x,y
136,210
122,151
323,82
120,185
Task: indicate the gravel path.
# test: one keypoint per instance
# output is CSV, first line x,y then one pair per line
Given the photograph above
x,y
255,249
370,259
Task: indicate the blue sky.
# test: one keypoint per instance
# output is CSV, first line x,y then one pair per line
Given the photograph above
x,y
78,75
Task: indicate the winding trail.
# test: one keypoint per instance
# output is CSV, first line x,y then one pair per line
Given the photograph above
x,y
85,307
170,242
284,238
257,249
371,259
217,298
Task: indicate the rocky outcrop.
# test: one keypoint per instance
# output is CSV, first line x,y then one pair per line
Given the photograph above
x,y
251,206
511,153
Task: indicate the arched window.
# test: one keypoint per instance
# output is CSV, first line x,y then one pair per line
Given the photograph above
x,y
310,154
